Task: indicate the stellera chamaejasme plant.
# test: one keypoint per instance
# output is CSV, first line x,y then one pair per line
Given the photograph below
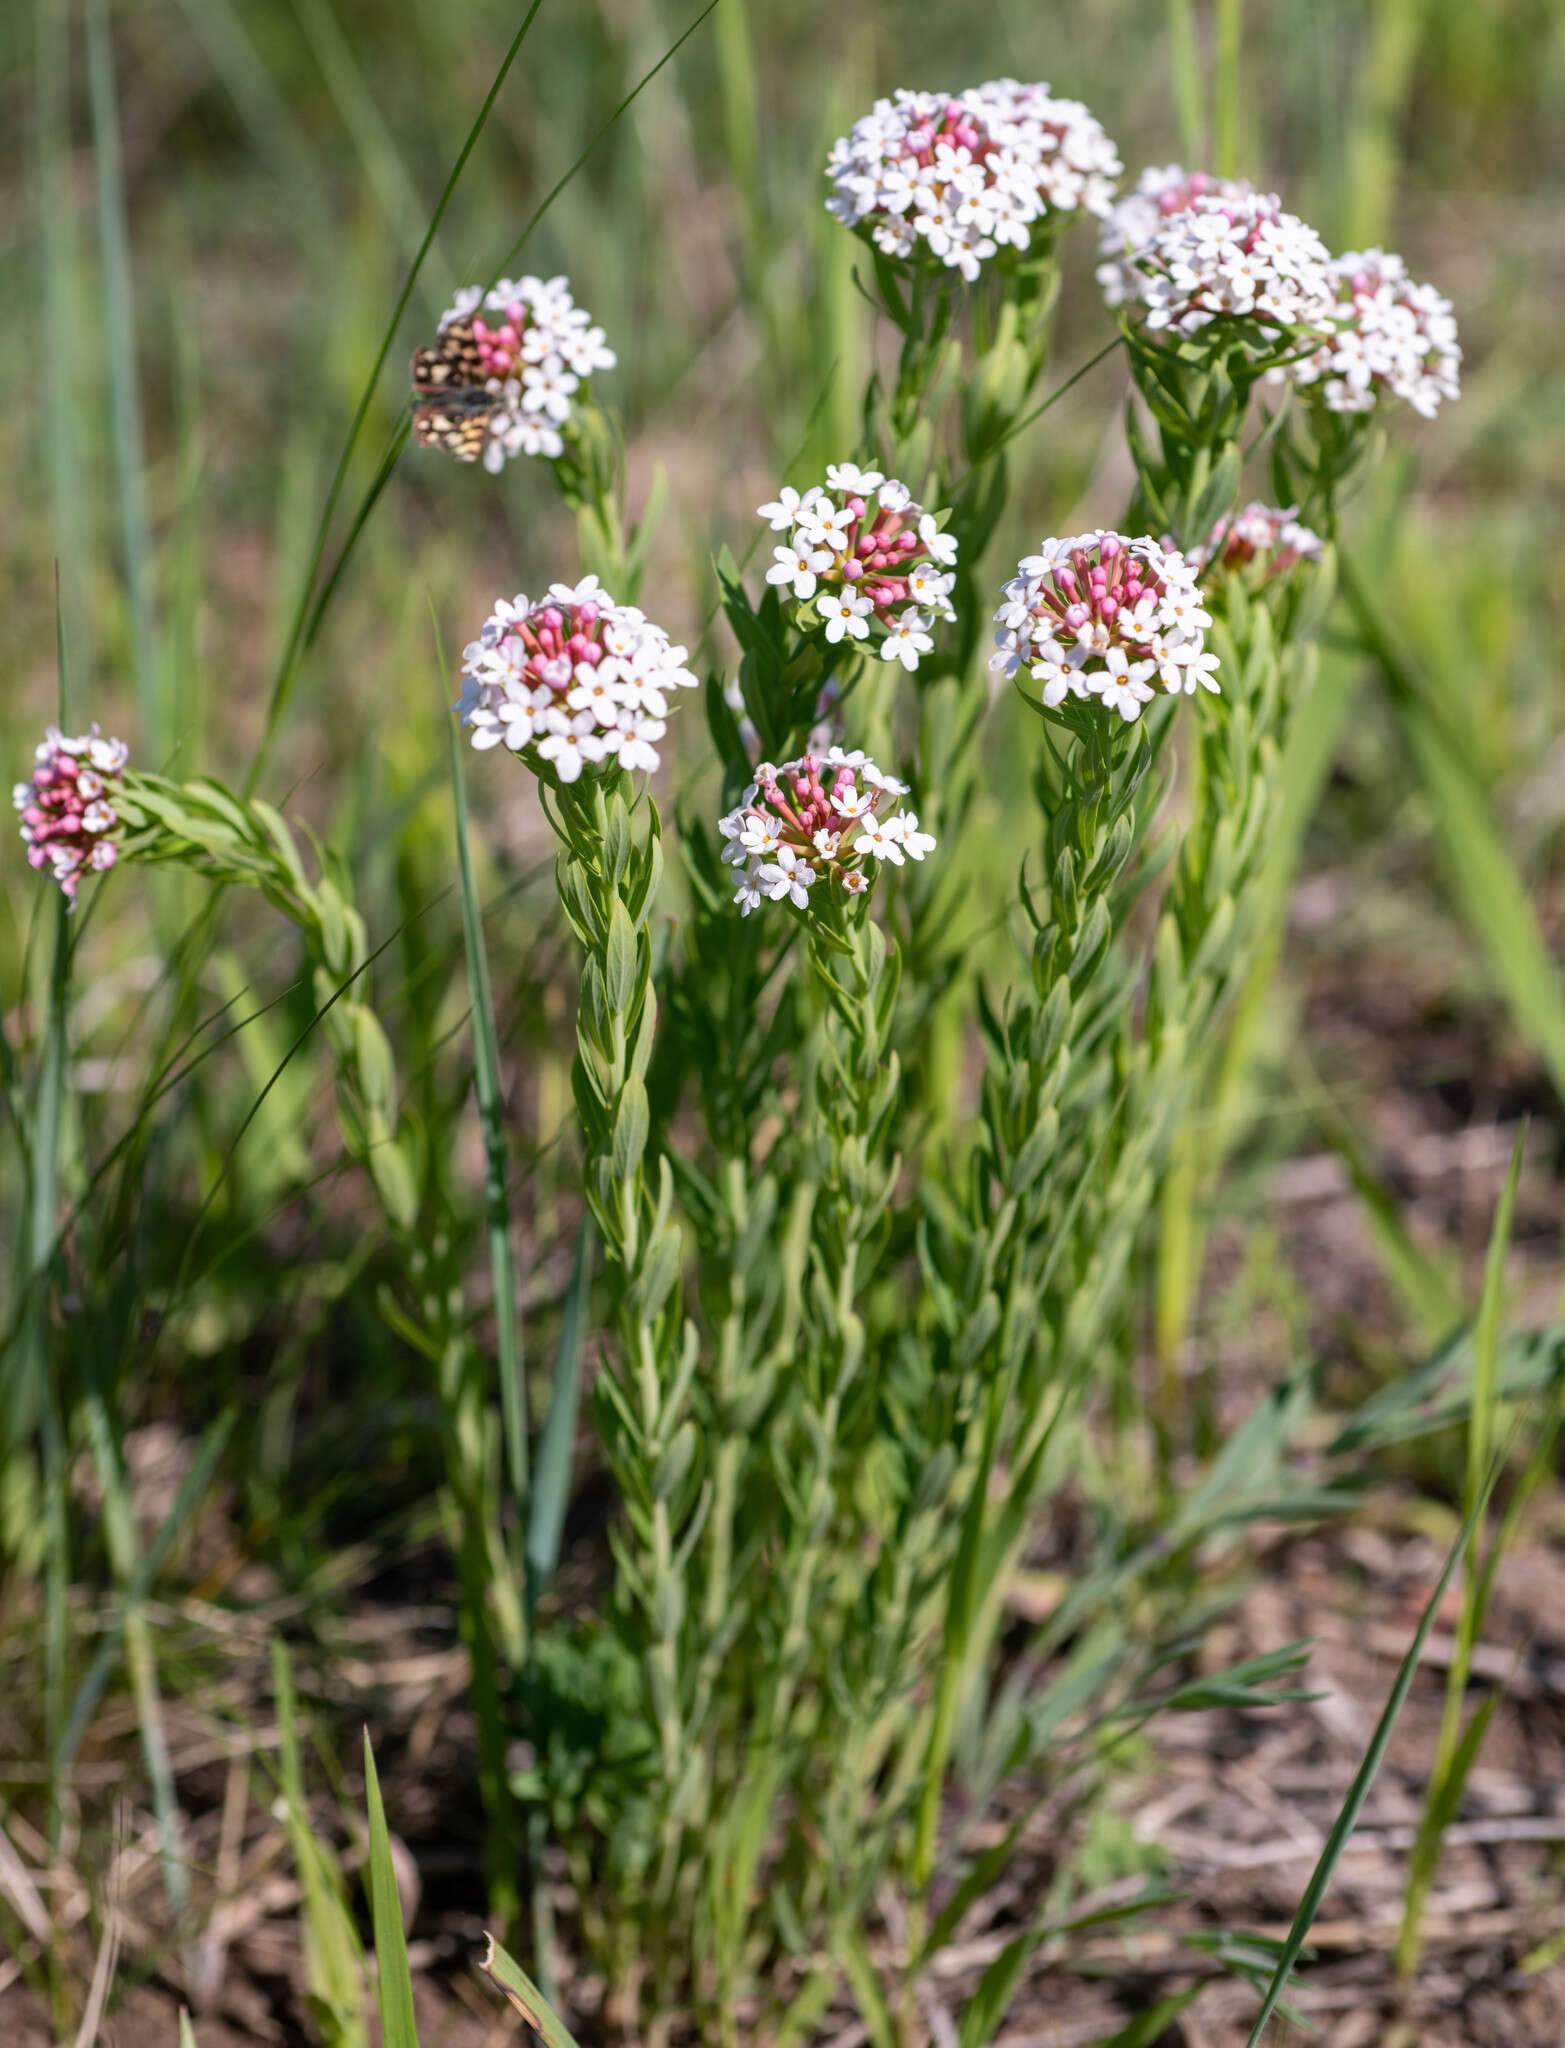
x,y
856,1297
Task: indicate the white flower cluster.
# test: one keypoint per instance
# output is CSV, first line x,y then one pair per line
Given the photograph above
x,y
1260,533
537,347
1135,218
67,809
1388,335
1233,255
1100,616
572,679
817,819
961,175
856,572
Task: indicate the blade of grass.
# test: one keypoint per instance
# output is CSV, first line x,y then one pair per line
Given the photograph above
x,y
491,1113
119,321
1184,60
551,1484
1483,876
143,1578
394,1980
333,1955
524,1994
1374,147
625,104
60,330
288,668
1358,1791
372,139
119,1527
1456,1751
1227,86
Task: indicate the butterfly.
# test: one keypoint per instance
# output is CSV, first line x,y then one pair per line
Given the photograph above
x,y
455,405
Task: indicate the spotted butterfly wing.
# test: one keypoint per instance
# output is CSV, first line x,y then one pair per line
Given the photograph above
x,y
454,405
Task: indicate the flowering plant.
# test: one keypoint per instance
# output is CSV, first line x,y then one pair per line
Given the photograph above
x,y
69,823
571,681
858,1282
959,178
817,819
1100,616
858,573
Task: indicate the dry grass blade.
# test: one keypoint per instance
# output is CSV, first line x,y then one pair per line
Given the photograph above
x,y
524,1994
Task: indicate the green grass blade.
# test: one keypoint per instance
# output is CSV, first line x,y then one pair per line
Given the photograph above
x,y
491,1113
394,1980
119,320
366,126
333,1955
551,1482
1486,1333
625,104
187,2033
143,1578
1227,87
1484,878
1457,1751
1358,1791
1374,143
528,2000
1184,60
119,1525
288,669
60,329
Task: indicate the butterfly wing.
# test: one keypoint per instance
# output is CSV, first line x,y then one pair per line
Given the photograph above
x,y
458,422
455,405
453,363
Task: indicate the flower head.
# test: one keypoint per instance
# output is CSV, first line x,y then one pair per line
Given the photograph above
x,y
531,348
817,819
1135,218
865,559
1217,250
1387,335
959,176
573,680
1259,534
1102,616
69,823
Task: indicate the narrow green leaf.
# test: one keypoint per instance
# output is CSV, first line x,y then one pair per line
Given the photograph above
x,y
394,1980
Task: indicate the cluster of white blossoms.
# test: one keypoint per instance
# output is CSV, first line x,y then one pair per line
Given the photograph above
x,y
860,573
572,680
1100,616
1135,218
1260,533
536,348
1387,335
816,819
1234,255
67,808
960,175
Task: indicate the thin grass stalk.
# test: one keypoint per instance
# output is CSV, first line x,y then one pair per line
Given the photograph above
x,y
125,402
1374,145
1227,87
1184,56
1456,1751
491,1113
